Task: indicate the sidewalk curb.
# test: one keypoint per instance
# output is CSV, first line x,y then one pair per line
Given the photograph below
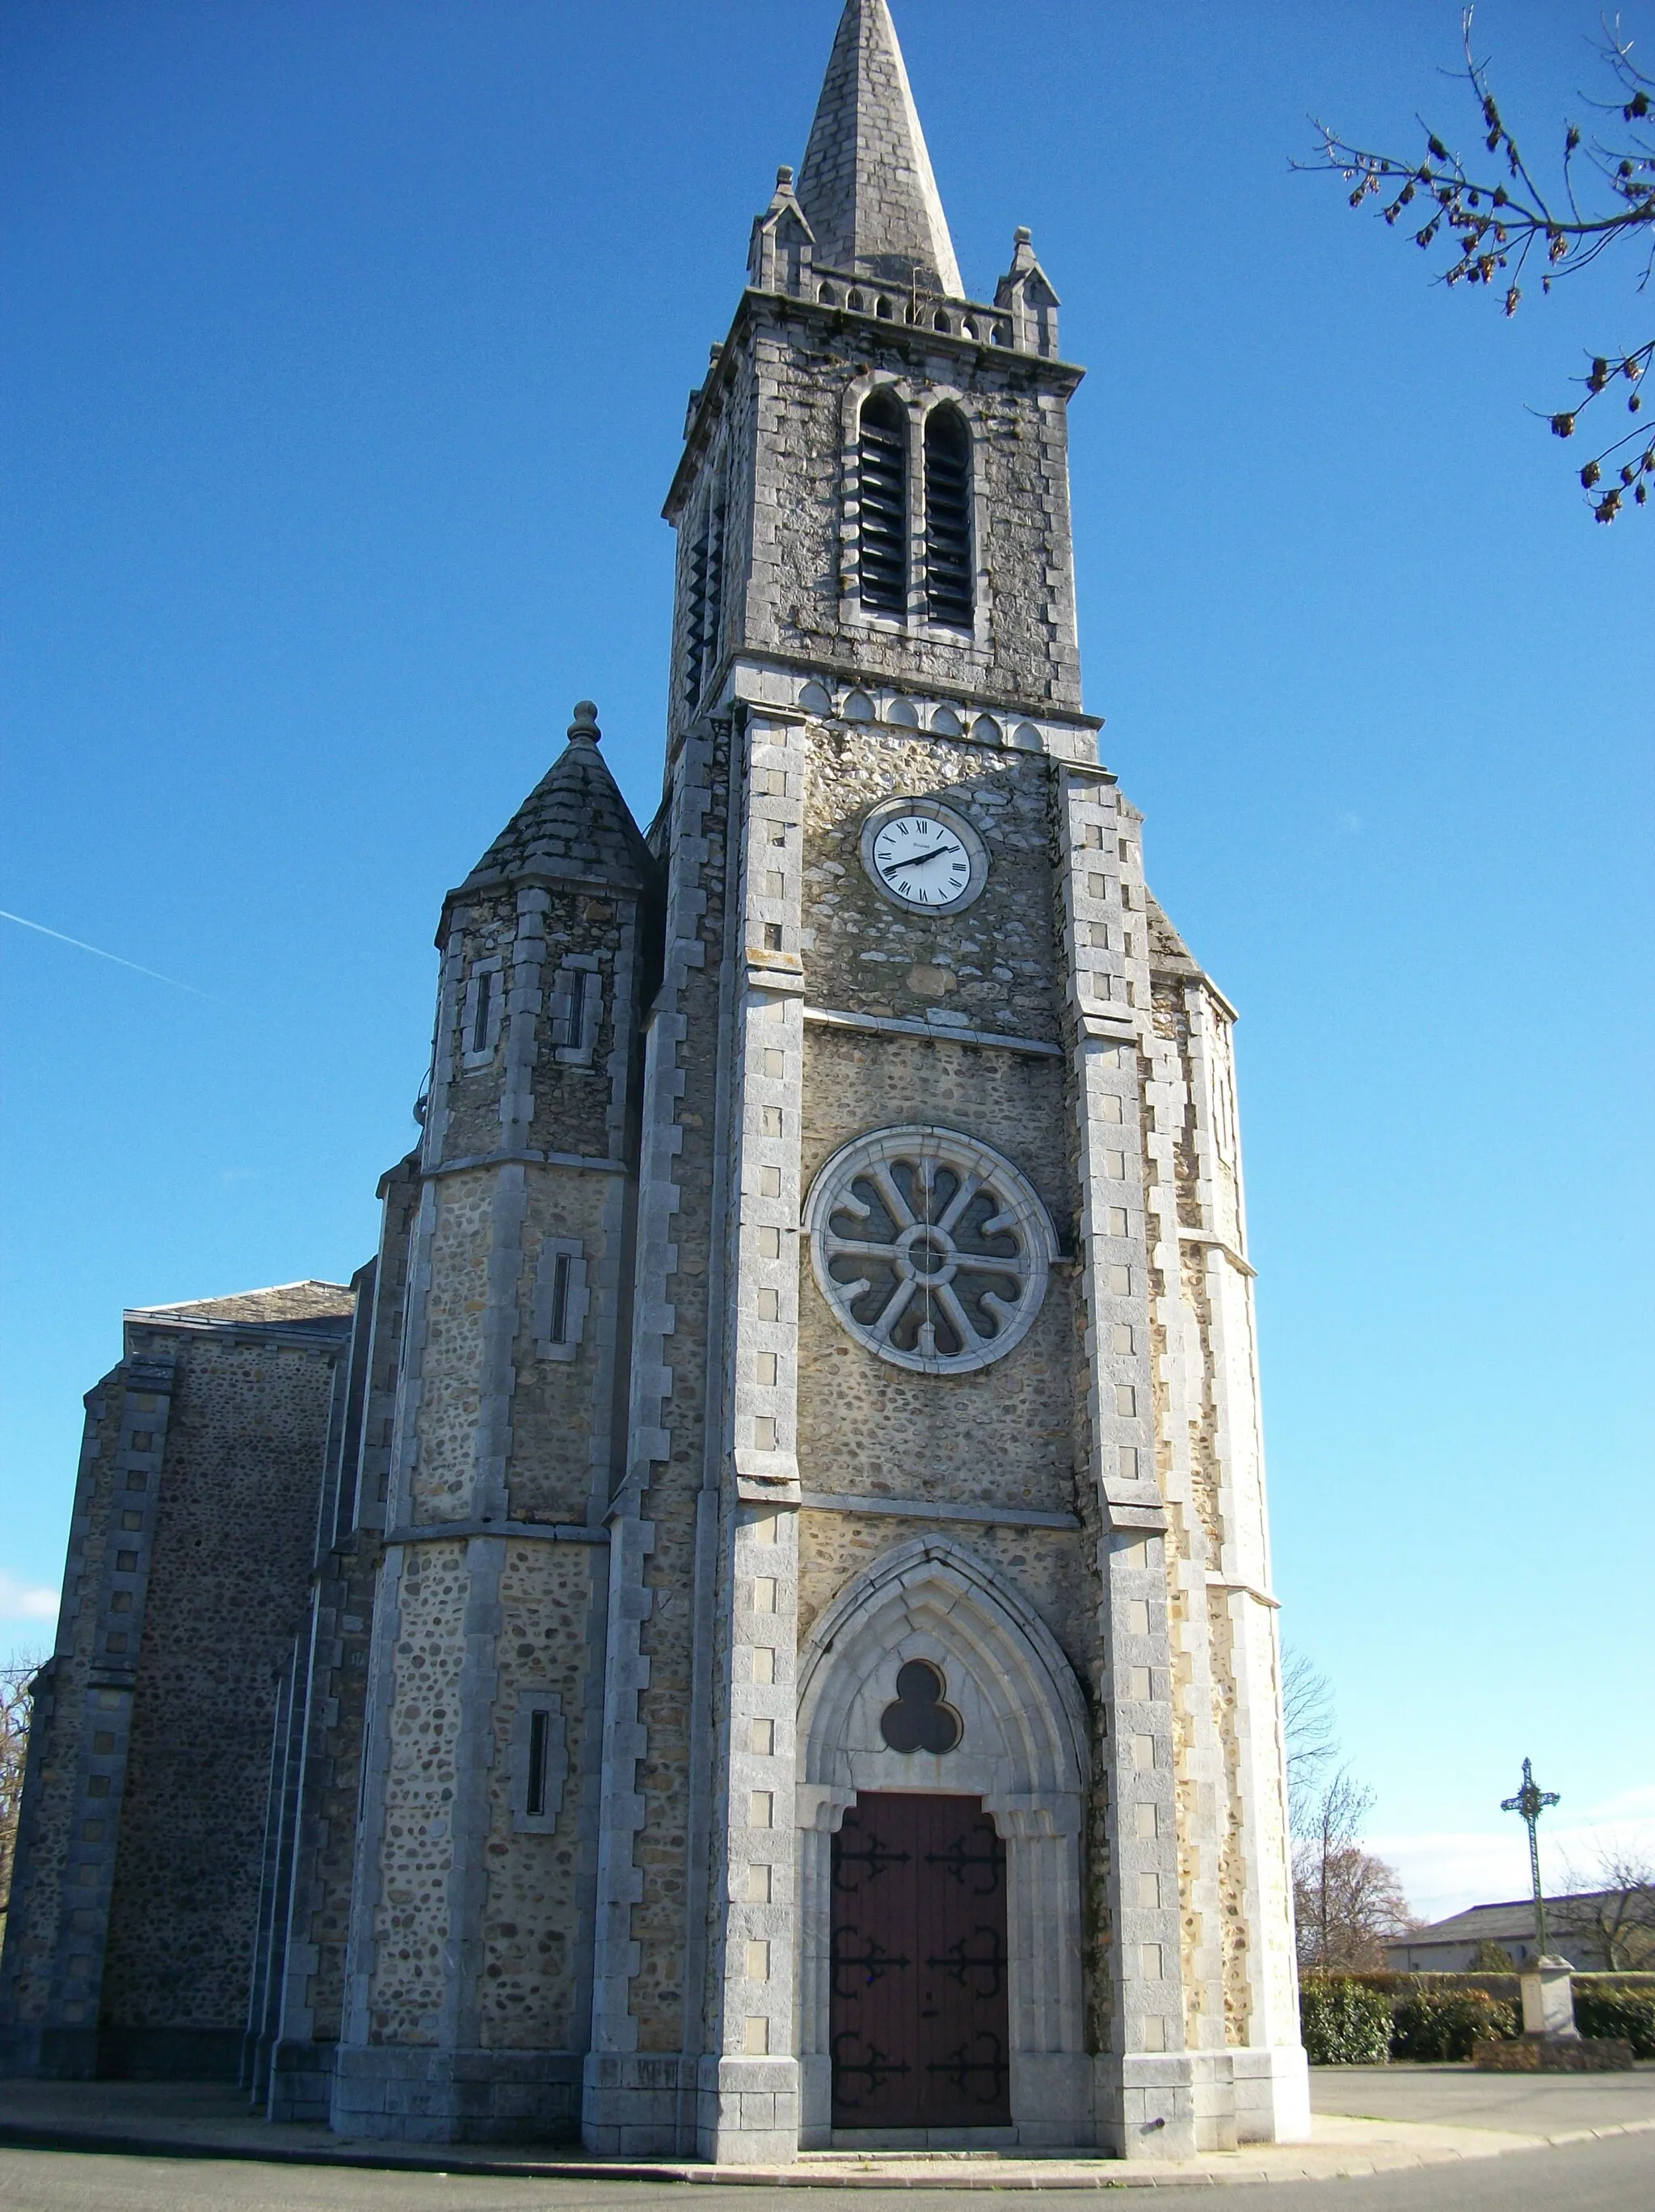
x,y
16,2137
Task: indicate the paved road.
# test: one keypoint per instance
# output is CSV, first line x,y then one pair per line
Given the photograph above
x,y
1458,2097
1614,2176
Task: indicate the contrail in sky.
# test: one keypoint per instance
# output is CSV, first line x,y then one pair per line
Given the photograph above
x,y
81,946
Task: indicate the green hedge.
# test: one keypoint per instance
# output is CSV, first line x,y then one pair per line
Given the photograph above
x,y
1445,2024
1617,2012
1343,2024
1364,2019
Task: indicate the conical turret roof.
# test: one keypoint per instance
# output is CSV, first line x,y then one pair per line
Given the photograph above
x,y
867,187
574,823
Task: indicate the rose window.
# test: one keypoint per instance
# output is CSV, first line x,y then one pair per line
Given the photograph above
x,y
931,1249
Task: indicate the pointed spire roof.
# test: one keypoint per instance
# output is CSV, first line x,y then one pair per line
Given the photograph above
x,y
867,187
574,823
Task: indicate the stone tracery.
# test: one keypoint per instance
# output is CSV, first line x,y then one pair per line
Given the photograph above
x,y
931,1248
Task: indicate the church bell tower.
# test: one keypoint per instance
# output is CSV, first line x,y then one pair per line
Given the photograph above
x,y
942,1797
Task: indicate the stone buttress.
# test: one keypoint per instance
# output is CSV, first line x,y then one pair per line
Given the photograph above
x,y
467,1980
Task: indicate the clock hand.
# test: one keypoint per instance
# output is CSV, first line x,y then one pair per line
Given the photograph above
x,y
920,859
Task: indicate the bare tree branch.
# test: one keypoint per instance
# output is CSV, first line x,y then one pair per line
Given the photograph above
x,y
1613,1905
16,1706
1307,1730
1489,222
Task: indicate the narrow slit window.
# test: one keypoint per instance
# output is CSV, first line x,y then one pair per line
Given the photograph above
x,y
561,1299
538,1730
882,490
573,1008
480,1014
481,1011
538,1760
948,519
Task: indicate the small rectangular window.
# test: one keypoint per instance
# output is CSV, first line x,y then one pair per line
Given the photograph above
x,y
560,1268
481,1011
576,1003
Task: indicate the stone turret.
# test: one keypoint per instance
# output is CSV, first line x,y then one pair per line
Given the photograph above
x,y
485,1676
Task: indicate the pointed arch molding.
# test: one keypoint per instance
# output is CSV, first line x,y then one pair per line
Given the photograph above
x,y
1022,1750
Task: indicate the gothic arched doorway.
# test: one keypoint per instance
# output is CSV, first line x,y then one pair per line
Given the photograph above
x,y
942,1742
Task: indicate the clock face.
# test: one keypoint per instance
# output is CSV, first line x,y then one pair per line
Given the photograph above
x,y
923,856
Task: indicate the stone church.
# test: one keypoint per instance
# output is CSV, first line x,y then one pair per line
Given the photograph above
x,y
747,1626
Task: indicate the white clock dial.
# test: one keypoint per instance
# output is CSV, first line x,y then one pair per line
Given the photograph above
x,y
923,856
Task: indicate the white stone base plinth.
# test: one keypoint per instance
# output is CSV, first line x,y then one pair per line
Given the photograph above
x,y
1177,2103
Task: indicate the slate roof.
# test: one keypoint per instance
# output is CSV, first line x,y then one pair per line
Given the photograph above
x,y
285,1306
1493,1923
574,822
866,185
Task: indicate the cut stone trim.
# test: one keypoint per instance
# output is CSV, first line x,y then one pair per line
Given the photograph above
x,y
921,1509
934,1032
537,1532
1245,1590
1220,1245
528,1159
774,680
746,2079
624,2088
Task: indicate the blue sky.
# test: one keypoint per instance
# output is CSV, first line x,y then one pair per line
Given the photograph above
x,y
344,366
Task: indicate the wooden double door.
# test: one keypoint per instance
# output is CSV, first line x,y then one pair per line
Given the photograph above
x,y
919,2022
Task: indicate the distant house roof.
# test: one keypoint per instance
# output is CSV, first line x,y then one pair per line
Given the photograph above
x,y
322,1308
1450,1945
1493,1923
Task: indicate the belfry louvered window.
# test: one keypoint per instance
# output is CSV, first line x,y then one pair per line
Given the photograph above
x,y
704,612
948,519
882,490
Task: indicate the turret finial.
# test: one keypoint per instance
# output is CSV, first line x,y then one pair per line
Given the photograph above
x,y
583,730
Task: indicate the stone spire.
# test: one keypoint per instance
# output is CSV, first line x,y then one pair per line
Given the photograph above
x,y
866,188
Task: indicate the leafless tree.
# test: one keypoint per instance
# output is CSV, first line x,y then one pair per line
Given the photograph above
x,y
1348,1903
1491,223
15,1710
1308,1732
1613,1907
